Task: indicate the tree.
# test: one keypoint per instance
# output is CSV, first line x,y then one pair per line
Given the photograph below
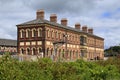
x,y
112,51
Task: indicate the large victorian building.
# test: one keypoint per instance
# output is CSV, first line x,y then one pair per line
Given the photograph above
x,y
41,36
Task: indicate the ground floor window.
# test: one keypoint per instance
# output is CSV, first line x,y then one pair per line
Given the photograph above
x,y
22,51
28,51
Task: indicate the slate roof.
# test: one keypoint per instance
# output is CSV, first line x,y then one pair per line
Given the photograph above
x,y
40,21
8,42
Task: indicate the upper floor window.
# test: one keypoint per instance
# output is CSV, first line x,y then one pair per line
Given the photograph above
x,y
76,38
28,33
73,37
40,32
56,34
22,33
60,35
52,33
69,37
48,33
83,40
33,32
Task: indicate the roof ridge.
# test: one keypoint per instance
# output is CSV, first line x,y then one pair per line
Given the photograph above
x,y
39,21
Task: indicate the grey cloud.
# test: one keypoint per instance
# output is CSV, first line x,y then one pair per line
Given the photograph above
x,y
87,12
62,6
6,1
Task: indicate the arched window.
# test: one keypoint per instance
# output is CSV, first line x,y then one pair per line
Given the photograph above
x,y
70,37
28,51
47,51
48,33
39,50
21,51
60,35
73,38
51,51
28,33
33,32
33,51
52,34
40,32
78,38
22,33
56,34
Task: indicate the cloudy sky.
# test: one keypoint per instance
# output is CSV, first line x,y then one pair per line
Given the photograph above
x,y
102,15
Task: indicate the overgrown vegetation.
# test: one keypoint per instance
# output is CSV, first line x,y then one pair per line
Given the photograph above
x,y
113,51
45,69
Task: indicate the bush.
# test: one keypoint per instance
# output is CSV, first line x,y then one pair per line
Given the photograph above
x,y
45,69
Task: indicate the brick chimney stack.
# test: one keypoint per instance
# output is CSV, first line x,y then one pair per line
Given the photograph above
x,y
84,28
90,30
77,26
40,14
53,18
64,21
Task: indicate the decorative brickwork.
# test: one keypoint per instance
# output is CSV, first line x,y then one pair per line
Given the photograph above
x,y
36,37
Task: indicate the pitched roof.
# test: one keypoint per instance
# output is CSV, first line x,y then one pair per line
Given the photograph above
x,y
8,42
40,21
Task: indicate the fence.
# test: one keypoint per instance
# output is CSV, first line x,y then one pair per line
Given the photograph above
x,y
26,57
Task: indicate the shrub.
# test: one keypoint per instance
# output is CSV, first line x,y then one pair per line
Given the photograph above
x,y
45,69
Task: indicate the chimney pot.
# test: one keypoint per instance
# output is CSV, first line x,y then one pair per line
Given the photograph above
x,y
64,21
40,14
53,18
84,28
90,30
77,26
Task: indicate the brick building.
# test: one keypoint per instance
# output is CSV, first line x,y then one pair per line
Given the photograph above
x,y
37,37
8,45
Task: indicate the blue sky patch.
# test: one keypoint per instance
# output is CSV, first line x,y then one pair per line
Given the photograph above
x,y
106,15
